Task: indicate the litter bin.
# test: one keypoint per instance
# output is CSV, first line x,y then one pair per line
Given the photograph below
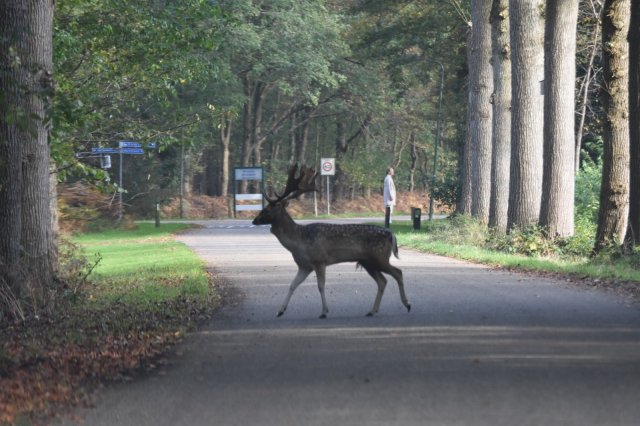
x,y
415,216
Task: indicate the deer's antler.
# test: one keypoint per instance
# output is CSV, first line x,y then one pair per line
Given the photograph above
x,y
296,186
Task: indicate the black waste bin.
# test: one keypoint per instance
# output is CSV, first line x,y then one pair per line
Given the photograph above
x,y
415,216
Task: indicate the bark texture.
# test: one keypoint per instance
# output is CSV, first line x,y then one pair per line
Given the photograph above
x,y
501,100
481,86
633,230
466,169
558,183
527,67
614,192
28,251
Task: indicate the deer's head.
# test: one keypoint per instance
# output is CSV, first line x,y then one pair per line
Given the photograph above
x,y
296,186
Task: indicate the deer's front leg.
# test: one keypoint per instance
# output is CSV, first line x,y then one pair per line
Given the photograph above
x,y
300,276
320,275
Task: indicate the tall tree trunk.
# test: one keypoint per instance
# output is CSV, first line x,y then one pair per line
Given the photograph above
x,y
302,132
256,135
614,192
26,83
11,143
342,147
292,139
247,131
480,82
225,141
558,183
633,231
463,205
501,134
414,162
527,68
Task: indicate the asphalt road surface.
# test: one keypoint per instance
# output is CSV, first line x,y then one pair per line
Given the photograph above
x,y
479,347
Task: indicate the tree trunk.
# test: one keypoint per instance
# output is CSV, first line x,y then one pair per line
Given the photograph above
x,y
633,230
28,249
614,192
480,82
256,134
292,139
501,134
463,206
558,183
527,69
414,162
225,140
302,132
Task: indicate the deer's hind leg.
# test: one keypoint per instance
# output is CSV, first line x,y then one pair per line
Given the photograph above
x,y
302,274
396,273
320,275
382,283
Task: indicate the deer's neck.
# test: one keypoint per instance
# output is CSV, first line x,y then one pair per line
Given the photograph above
x,y
287,232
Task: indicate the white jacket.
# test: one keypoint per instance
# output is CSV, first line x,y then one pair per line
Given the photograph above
x,y
389,191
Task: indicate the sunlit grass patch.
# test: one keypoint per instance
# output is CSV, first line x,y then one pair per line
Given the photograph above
x,y
143,266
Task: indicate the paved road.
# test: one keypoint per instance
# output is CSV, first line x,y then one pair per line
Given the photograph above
x,y
480,347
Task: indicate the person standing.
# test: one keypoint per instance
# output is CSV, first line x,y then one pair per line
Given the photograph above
x,y
389,196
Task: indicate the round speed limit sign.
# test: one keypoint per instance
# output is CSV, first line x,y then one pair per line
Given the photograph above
x,y
328,166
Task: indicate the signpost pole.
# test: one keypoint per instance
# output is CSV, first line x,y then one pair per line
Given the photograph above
x,y
120,190
328,168
124,147
328,197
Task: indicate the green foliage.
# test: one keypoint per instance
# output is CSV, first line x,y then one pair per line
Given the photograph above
x,y
462,230
530,241
446,188
119,68
457,229
587,197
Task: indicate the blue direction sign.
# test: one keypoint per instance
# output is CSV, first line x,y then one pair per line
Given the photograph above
x,y
132,150
117,151
105,150
129,144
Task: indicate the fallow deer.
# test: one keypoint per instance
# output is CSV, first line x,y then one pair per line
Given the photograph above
x,y
318,245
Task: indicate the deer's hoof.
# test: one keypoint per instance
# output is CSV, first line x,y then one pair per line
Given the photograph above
x,y
369,314
323,316
408,307
280,314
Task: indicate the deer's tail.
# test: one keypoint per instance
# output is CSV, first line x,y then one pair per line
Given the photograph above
x,y
394,245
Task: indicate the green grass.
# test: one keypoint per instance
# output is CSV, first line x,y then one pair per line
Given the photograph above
x,y
143,266
452,244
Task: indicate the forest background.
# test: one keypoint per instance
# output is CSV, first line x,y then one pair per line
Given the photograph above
x,y
518,116
493,109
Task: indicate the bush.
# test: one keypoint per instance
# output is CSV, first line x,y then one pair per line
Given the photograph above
x,y
530,241
458,229
587,197
84,208
74,270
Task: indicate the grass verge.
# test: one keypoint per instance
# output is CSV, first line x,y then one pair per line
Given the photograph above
x,y
467,243
145,292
